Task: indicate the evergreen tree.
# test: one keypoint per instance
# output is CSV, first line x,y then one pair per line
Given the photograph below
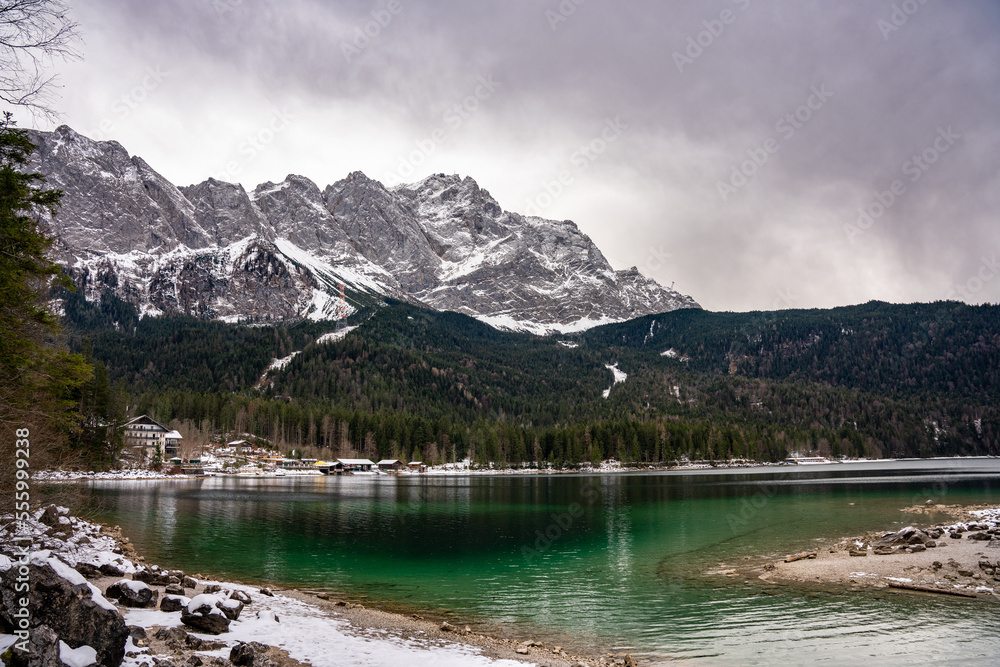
x,y
38,377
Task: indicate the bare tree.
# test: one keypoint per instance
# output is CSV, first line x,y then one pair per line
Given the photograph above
x,y
33,33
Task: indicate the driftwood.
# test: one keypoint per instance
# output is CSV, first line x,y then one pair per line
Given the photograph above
x,y
929,589
802,556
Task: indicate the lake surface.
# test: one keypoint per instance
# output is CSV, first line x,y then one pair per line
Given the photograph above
x,y
588,560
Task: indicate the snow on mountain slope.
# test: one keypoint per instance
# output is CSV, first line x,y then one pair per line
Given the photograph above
x,y
281,252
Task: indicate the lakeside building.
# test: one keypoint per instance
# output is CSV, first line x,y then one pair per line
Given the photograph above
x,y
144,434
390,464
358,465
171,444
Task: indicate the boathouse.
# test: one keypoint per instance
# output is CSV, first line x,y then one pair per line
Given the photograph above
x,y
356,465
390,464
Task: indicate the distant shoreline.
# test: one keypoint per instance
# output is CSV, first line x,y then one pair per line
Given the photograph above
x,y
135,474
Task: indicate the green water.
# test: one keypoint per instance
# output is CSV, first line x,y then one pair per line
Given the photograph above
x,y
590,560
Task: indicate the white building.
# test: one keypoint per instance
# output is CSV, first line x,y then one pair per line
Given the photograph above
x,y
144,434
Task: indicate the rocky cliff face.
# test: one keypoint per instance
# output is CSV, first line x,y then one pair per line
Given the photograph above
x,y
213,250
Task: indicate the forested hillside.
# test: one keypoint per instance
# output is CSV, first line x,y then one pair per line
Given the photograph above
x,y
870,380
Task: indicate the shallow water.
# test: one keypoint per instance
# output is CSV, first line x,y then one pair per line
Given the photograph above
x,y
594,560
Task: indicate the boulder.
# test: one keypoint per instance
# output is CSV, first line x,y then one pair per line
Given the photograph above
x,y
212,588
88,570
199,644
231,608
174,589
146,576
171,603
73,609
242,655
955,535
52,516
188,582
241,596
917,547
905,537
110,570
203,613
43,649
133,594
266,591
253,654
174,637
982,536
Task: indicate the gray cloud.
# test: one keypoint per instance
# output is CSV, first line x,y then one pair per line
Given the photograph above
x,y
650,196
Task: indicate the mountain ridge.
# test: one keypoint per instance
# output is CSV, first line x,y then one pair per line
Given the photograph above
x,y
282,251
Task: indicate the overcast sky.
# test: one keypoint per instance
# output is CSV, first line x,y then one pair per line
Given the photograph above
x,y
727,146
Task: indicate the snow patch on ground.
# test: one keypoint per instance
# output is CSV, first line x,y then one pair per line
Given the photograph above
x,y
312,636
506,322
620,376
334,336
278,364
83,656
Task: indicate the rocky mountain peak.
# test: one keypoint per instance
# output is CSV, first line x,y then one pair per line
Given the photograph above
x,y
213,250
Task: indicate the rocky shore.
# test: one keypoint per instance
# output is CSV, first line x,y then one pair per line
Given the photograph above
x,y
959,559
94,601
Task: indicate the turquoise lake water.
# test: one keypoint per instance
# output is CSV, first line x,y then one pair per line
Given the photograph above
x,y
585,560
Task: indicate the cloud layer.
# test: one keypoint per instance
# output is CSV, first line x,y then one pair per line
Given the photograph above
x,y
759,154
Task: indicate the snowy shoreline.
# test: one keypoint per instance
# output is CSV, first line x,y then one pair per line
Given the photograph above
x,y
606,467
288,628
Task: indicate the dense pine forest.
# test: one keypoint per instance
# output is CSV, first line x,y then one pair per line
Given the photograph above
x,y
872,380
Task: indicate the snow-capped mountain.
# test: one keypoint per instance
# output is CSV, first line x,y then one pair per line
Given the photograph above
x,y
280,253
